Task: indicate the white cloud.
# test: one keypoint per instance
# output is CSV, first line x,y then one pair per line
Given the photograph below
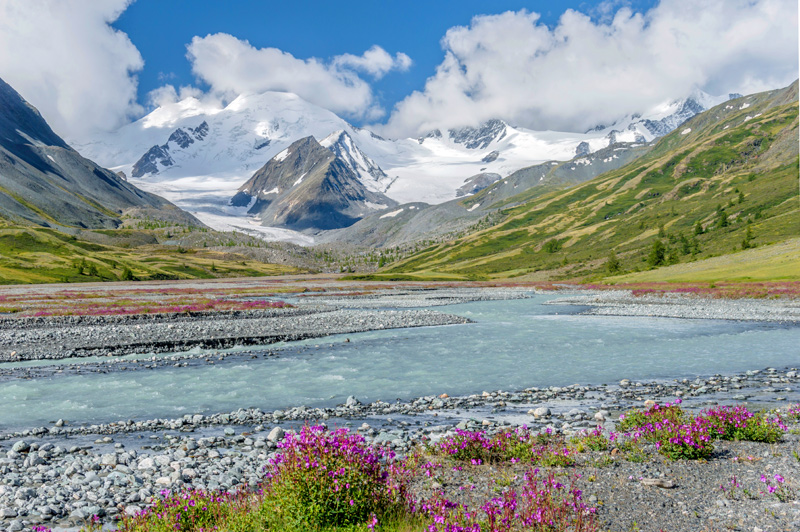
x,y
168,94
64,58
376,62
233,66
583,71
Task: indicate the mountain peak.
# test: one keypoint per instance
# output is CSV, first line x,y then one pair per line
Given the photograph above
x,y
371,175
479,138
21,123
308,187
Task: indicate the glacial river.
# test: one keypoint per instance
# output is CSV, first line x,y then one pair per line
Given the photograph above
x,y
512,345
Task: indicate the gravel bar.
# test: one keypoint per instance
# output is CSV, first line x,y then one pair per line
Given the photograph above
x,y
623,303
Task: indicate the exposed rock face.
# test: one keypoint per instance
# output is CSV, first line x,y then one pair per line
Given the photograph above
x,y
582,149
491,156
477,183
307,187
435,134
661,127
368,171
159,157
45,182
472,138
480,137
149,162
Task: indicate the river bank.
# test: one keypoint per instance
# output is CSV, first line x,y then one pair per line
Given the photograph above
x,y
63,473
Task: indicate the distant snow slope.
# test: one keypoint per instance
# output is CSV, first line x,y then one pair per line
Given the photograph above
x,y
197,154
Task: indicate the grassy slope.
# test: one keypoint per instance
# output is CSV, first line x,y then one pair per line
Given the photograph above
x,y
37,255
768,263
741,160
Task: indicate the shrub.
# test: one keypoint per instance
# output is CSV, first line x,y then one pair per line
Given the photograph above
x,y
517,445
593,441
690,441
191,510
322,479
738,423
633,419
675,434
544,504
657,255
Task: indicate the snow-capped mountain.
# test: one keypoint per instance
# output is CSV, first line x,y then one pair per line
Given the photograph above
x,y
307,187
368,171
660,120
198,153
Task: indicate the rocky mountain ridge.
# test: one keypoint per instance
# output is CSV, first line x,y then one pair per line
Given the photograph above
x,y
308,187
45,182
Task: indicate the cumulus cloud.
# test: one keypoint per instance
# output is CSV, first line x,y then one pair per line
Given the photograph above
x,y
233,66
376,62
586,71
65,59
168,94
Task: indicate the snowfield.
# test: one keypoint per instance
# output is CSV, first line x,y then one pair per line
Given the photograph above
x,y
201,172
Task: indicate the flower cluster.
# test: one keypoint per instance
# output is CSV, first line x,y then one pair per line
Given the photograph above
x,y
189,510
543,504
779,489
738,423
322,478
657,413
679,435
128,307
793,412
514,445
593,440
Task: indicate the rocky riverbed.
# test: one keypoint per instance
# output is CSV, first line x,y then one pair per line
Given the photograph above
x,y
62,474
59,337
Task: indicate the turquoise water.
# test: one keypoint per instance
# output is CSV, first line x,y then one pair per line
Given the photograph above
x,y
513,345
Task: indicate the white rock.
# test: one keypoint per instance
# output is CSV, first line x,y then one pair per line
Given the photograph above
x,y
276,435
132,510
146,463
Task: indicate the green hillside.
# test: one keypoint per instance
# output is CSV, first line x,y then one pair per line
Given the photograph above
x,y
723,181
39,255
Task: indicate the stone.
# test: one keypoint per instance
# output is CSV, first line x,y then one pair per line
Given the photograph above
x,y
229,431
8,512
132,510
625,383
542,411
21,446
108,459
352,401
658,483
275,435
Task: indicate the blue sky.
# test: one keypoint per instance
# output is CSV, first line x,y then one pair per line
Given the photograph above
x,y
400,68
323,29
